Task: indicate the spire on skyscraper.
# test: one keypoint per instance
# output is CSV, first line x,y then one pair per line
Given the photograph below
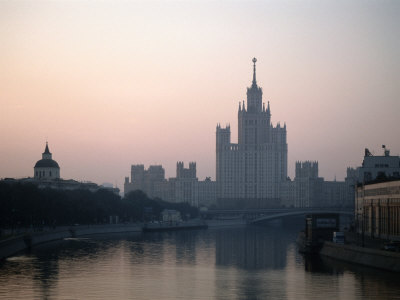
x,y
254,71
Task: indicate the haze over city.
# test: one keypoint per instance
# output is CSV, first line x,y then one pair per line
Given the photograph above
x,y
114,83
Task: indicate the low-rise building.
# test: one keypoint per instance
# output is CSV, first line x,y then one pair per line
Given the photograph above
x,y
377,209
375,166
171,215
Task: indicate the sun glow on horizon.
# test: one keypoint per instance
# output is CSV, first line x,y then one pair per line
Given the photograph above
x,y
112,84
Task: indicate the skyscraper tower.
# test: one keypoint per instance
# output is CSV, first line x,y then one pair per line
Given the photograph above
x,y
249,173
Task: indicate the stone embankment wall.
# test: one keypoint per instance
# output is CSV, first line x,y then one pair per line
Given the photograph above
x,y
364,256
25,241
225,223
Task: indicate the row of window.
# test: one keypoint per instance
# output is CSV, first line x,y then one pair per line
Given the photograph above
x,y
381,166
41,174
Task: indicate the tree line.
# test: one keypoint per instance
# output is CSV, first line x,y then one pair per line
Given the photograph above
x,y
26,205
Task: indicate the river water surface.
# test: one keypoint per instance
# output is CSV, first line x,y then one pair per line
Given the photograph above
x,y
234,263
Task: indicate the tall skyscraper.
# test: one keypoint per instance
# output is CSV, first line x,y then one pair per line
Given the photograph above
x,y
250,172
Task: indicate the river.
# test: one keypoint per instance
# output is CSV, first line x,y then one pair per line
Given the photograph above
x,y
234,263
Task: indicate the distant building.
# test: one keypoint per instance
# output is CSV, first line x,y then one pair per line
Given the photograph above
x,y
62,184
373,168
186,183
144,180
376,166
377,207
308,185
185,187
207,193
309,190
171,215
46,174
336,194
46,168
250,173
288,193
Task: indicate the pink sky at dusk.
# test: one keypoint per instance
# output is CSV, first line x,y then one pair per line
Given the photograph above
x,y
115,83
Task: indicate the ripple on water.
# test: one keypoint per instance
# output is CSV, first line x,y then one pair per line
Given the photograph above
x,y
241,263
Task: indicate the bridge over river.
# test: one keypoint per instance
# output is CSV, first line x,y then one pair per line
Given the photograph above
x,y
254,216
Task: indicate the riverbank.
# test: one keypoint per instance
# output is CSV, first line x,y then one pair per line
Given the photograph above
x,y
226,223
27,240
13,245
172,226
363,256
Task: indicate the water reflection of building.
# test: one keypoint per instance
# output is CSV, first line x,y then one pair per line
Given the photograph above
x,y
251,249
186,242
47,276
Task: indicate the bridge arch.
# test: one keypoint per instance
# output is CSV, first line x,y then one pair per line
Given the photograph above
x,y
298,213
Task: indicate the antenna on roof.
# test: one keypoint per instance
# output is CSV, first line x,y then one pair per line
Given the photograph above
x,y
385,150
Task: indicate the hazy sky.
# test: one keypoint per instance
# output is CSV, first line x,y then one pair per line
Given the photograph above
x,y
115,83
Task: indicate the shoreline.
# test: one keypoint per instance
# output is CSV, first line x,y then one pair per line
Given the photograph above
x,y
232,223
12,246
24,241
380,259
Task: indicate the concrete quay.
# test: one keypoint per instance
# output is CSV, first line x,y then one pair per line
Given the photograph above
x,y
27,240
370,257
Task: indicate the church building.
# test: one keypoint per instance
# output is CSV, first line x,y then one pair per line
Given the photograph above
x,y
250,172
46,168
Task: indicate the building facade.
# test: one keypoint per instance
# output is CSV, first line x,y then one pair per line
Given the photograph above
x,y
46,168
46,174
207,193
249,173
186,183
377,212
309,190
375,167
308,185
145,180
185,187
